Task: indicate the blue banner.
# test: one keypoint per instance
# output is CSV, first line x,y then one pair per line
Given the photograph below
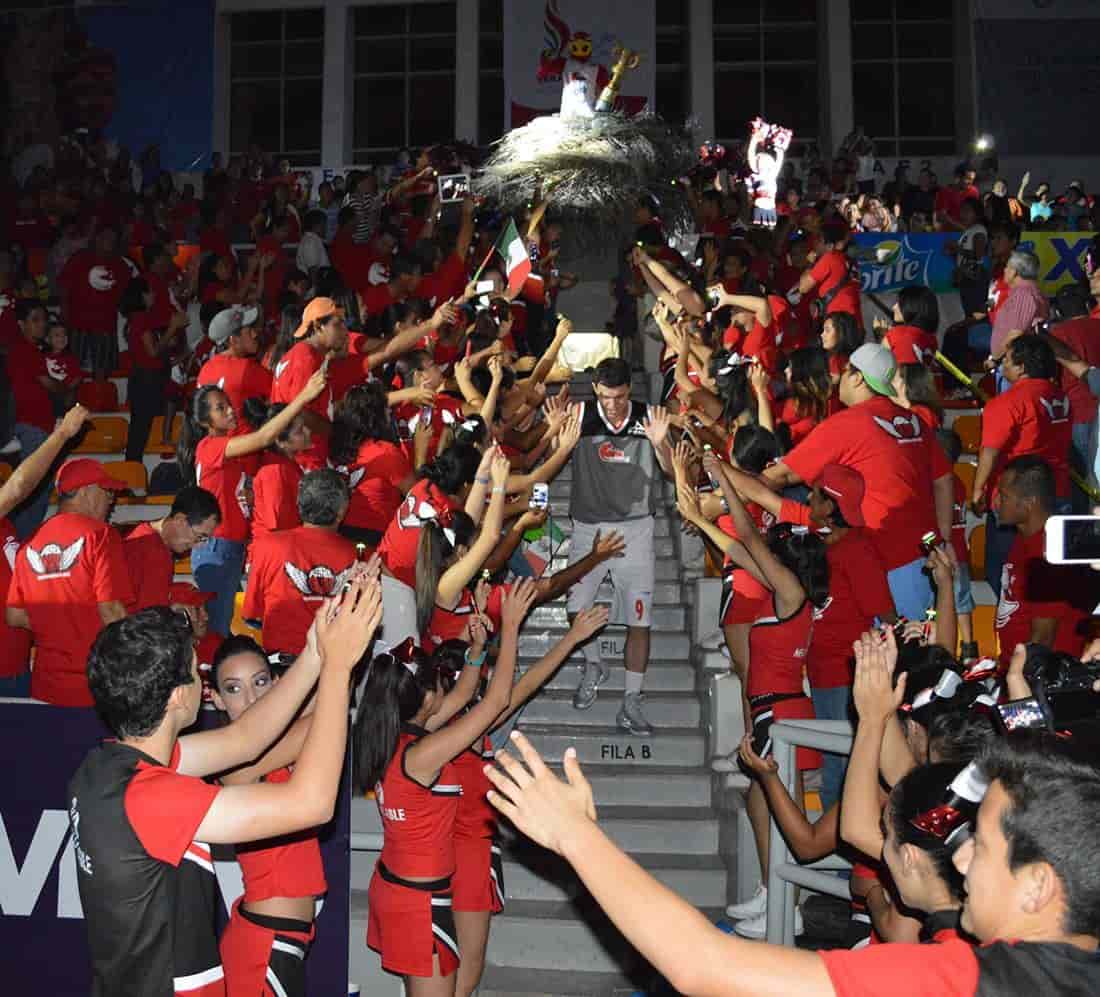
x,y
41,920
893,260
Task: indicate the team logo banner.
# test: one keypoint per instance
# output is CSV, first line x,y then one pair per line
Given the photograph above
x,y
41,920
548,42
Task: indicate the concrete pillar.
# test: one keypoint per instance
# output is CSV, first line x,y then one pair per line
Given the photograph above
x,y
337,108
467,65
701,64
839,114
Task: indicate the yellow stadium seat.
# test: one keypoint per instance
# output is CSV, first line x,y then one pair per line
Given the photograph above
x,y
238,626
183,565
977,553
154,444
969,428
985,632
105,434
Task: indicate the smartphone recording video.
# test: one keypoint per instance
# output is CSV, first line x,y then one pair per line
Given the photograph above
x,y
1072,539
453,187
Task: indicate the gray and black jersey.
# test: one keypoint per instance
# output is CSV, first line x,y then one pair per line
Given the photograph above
x,y
615,472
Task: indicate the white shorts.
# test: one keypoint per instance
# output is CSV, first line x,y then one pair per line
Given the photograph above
x,y
631,575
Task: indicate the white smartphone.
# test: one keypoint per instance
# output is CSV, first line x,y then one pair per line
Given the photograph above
x,y
484,287
1073,539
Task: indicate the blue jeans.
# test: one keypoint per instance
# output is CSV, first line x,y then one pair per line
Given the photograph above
x,y
911,589
832,704
979,336
16,687
1079,461
217,567
29,514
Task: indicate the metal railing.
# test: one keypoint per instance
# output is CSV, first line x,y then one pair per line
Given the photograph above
x,y
784,873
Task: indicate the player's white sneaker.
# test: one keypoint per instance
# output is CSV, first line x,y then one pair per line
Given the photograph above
x,y
595,674
631,718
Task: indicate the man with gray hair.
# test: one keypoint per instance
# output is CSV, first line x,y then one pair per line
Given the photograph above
x,y
290,572
1025,302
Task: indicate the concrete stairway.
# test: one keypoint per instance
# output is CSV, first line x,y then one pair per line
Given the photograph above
x,y
654,795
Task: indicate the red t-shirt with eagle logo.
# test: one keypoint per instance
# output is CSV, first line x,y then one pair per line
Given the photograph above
x,y
290,573
899,458
70,565
93,286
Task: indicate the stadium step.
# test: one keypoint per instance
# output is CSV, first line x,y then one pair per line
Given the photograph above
x,y
654,795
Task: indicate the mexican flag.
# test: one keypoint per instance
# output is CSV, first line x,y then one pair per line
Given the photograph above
x,y
541,545
514,253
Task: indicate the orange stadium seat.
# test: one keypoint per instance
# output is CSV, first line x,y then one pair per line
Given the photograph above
x,y
985,633
966,471
977,553
98,396
183,565
134,474
105,434
969,428
154,444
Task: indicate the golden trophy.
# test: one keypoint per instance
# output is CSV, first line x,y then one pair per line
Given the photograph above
x,y
624,59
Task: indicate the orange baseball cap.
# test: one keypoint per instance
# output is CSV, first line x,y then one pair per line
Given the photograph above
x,y
316,311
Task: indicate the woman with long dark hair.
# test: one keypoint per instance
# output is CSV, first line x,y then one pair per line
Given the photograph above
x,y
790,563
916,390
211,456
411,769
275,484
457,480
811,392
841,336
365,449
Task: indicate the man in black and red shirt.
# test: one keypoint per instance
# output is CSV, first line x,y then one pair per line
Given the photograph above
x,y
1032,892
142,818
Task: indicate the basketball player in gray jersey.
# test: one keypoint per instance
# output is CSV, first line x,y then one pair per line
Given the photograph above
x,y
617,467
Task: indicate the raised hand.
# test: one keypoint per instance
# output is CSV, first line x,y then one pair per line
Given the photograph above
x,y
499,468
73,421
545,808
570,434
613,545
532,519
445,314
565,327
874,691
517,603
687,500
587,622
348,622
657,425
316,383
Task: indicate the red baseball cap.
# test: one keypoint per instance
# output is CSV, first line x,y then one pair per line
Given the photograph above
x,y
317,310
185,594
845,487
82,471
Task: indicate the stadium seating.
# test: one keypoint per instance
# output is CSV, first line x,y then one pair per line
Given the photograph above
x,y
154,445
106,434
969,428
238,626
977,553
985,633
966,471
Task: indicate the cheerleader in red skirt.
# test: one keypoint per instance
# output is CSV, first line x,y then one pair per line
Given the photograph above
x,y
790,562
478,882
265,944
411,769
